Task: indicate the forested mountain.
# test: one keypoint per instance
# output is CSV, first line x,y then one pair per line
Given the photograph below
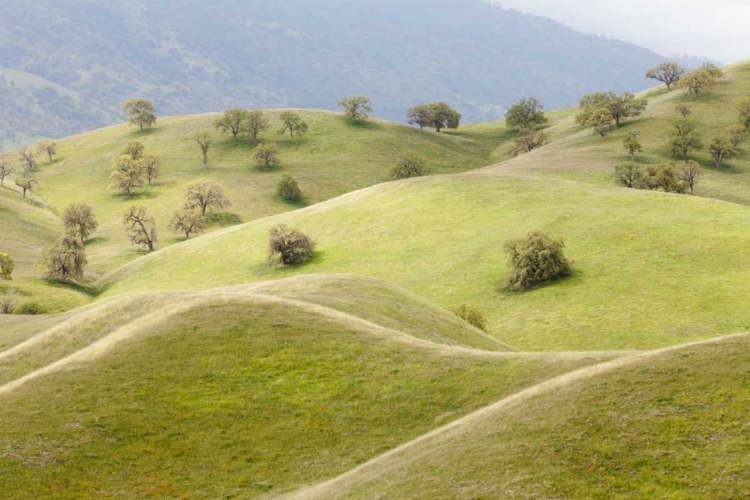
x,y
66,65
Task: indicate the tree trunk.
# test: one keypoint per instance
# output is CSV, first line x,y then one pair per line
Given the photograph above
x,y
50,156
205,159
141,127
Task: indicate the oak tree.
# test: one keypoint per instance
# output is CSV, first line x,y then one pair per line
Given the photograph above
x,y
631,176
266,154
127,174
689,172
526,114
140,227
443,116
420,115
203,139
151,162
668,73
203,194
684,138
255,123
534,260
47,147
5,169
288,188
64,260
232,121
140,112
721,148
632,144
356,107
292,246
527,140
291,122
26,183
409,166
79,221
7,263
187,222
27,160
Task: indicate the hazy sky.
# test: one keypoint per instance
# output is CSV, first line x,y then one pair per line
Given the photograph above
x,y
719,29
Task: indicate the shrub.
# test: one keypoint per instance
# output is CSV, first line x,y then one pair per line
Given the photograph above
x,y
292,246
31,309
472,315
534,260
667,178
288,188
7,306
410,166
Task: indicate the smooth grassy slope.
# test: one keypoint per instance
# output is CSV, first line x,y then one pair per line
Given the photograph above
x,y
375,304
585,156
335,157
643,278
672,426
259,396
26,228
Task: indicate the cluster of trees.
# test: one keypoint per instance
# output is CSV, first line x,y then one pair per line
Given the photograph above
x,y
26,164
526,118
674,75
605,111
668,177
438,115
65,260
133,168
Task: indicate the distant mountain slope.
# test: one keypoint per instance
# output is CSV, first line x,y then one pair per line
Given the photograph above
x,y
205,56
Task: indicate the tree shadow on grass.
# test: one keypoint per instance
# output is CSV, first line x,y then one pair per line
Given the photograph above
x,y
223,219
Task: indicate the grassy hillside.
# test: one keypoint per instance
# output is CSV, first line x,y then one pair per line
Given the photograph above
x,y
589,158
671,426
633,251
262,395
26,228
335,157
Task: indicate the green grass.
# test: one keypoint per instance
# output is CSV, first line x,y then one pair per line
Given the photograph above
x,y
642,279
673,427
335,157
256,399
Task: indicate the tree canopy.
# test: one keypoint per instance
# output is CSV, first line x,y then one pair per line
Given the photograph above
x,y
140,112
668,73
356,107
525,114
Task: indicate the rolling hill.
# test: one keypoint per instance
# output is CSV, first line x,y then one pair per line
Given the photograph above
x,y
179,382
68,66
348,377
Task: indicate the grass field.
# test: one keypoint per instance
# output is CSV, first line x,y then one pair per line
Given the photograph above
x,y
261,396
198,371
671,426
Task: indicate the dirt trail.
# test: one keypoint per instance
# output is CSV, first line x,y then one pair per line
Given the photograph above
x,y
141,326
387,461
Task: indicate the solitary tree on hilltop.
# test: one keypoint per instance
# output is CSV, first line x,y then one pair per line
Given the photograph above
x,y
27,160
203,139
525,114
79,221
255,123
140,227
47,147
65,260
203,194
356,107
684,138
140,112
420,115
127,174
443,116
292,123
666,72
232,121
187,222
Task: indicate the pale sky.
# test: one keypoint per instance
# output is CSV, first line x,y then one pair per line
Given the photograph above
x,y
719,29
